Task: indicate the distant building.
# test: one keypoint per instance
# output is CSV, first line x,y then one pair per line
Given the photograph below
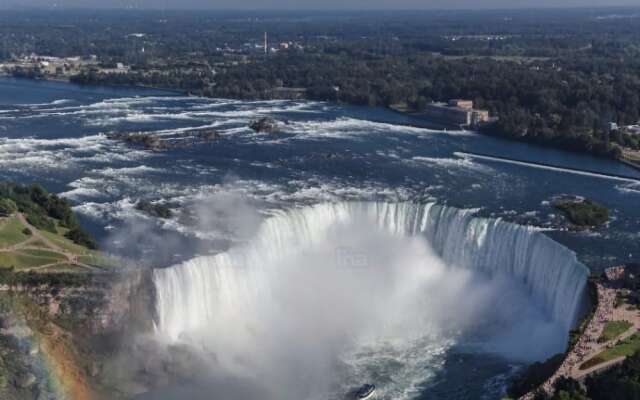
x,y
47,67
456,112
479,117
626,276
634,129
464,104
120,68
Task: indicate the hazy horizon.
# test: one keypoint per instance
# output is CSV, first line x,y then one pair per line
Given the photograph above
x,y
329,5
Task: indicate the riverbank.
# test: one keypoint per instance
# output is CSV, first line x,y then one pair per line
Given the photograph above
x,y
424,123
68,80
628,157
631,158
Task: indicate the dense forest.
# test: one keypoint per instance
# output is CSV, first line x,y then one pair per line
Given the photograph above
x,y
539,101
554,77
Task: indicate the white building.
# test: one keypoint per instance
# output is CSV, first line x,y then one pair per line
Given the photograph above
x,y
634,129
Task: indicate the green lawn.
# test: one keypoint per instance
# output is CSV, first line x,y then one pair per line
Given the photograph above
x,y
11,232
38,243
40,254
22,261
625,348
613,329
65,243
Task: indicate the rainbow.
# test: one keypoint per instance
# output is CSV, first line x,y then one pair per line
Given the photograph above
x,y
57,365
66,377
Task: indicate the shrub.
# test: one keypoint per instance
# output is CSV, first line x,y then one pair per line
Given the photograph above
x,y
79,236
41,221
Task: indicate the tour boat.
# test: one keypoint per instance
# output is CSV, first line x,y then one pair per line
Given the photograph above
x,y
365,392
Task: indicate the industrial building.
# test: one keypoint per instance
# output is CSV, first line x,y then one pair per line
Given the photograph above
x,y
456,112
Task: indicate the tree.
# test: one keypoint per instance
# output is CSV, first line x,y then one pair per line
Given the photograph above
x,y
7,207
78,236
568,389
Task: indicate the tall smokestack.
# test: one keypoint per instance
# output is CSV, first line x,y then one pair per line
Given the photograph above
x,y
265,43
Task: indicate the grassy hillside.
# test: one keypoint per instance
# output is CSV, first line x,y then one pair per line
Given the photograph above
x,y
44,251
39,232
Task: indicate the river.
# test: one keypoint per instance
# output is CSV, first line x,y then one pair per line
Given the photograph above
x,y
53,133
222,191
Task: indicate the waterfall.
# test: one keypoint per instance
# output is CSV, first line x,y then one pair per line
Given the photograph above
x,y
328,296
550,271
188,294
191,294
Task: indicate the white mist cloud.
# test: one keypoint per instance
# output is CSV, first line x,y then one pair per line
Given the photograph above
x,y
216,219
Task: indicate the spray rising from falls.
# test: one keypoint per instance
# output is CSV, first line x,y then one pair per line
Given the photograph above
x,y
332,295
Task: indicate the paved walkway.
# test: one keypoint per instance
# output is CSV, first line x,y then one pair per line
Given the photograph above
x,y
588,346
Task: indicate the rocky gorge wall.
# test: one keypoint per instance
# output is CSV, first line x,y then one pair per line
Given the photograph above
x,y
57,336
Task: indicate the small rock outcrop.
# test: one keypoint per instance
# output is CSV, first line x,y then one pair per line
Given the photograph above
x,y
154,209
582,213
156,142
264,125
208,135
140,139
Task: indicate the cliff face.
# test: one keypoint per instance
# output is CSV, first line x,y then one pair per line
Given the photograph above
x,y
68,331
104,304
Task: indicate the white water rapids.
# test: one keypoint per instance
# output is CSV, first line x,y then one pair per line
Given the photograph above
x,y
330,296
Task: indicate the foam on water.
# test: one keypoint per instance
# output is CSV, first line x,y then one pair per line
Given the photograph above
x,y
444,162
631,188
345,127
32,153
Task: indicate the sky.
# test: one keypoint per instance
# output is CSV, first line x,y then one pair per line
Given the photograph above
x,y
312,4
